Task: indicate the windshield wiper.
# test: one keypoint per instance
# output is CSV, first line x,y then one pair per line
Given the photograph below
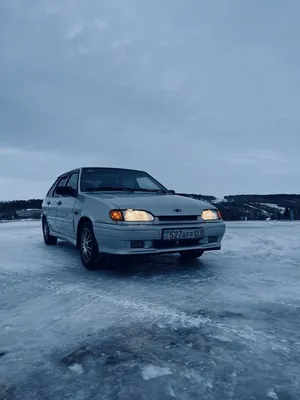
x,y
124,189
150,190
108,189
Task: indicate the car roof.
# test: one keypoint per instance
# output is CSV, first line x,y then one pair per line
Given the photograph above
x,y
81,168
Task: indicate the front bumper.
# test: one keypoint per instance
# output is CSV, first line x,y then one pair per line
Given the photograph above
x,y
118,238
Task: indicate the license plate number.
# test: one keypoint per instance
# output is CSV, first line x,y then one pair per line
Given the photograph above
x,y
181,234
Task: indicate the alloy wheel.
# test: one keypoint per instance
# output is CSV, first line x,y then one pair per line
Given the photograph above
x,y
86,245
46,229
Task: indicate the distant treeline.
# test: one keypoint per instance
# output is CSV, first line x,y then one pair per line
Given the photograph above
x,y
198,196
265,198
255,206
8,209
233,207
268,197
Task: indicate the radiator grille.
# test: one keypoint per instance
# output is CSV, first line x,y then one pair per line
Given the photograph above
x,y
177,218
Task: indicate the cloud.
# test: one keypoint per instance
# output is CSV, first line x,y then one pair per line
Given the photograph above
x,y
176,88
267,162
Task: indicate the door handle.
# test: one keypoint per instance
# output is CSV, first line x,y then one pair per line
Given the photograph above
x,y
59,203
48,202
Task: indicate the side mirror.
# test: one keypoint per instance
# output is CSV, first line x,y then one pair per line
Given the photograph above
x,y
66,191
172,191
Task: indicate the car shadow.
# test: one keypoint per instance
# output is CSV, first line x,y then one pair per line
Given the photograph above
x,y
148,267
144,266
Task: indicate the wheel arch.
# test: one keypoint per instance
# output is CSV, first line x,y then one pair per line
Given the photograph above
x,y
79,225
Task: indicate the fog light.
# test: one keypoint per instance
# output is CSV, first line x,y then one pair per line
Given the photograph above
x,y
137,244
148,244
212,239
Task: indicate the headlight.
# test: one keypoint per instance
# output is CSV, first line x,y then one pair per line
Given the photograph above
x,y
210,215
131,215
137,215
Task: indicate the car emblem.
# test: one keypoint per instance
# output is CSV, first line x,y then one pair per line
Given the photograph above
x,y
177,210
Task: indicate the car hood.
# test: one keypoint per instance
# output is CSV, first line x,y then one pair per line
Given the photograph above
x,y
157,204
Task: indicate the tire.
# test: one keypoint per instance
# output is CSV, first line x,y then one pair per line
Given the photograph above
x,y
88,247
48,239
191,254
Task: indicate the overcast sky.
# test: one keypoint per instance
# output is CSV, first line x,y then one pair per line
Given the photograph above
x,y
204,95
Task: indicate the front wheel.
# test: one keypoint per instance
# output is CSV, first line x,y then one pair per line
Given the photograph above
x,y
89,251
48,239
190,254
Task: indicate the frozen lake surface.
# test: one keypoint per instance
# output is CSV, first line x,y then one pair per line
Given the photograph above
x,y
226,326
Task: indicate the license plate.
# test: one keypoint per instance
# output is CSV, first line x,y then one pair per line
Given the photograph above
x,y
181,234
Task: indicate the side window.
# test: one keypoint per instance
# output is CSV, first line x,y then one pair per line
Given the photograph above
x,y
51,190
61,182
73,181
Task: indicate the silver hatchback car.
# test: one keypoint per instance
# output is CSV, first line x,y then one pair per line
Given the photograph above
x,y
121,211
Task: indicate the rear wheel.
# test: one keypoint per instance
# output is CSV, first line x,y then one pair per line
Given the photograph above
x,y
88,246
190,254
48,239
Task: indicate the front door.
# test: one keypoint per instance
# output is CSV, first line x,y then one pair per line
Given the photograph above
x,y
65,209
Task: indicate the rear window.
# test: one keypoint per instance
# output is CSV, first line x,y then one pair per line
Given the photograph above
x,y
61,183
51,190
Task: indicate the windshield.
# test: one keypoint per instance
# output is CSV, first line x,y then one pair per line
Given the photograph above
x,y
113,179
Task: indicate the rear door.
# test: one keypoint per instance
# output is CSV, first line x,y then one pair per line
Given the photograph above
x,y
49,208
52,203
65,208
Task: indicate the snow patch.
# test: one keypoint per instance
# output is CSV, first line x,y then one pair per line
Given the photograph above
x,y
265,213
271,205
272,395
76,368
209,385
219,200
222,338
152,371
171,392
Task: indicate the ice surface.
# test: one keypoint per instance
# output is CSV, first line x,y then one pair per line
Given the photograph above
x,y
228,323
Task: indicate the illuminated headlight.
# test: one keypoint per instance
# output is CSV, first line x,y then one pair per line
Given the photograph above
x,y
131,215
210,215
137,216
